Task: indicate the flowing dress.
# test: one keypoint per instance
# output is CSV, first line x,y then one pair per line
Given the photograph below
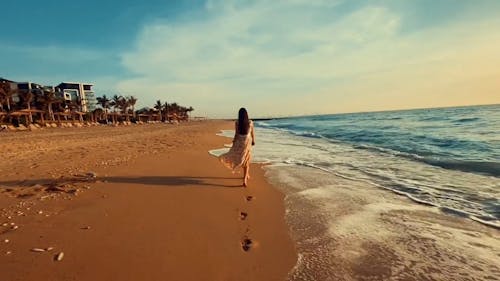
x,y
239,154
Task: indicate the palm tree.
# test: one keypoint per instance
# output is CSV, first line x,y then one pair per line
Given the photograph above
x,y
48,99
6,94
187,111
125,104
116,102
131,101
159,106
105,103
2,98
119,103
165,107
3,89
27,98
97,114
184,113
174,108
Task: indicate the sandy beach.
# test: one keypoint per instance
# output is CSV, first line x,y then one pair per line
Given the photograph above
x,y
135,203
366,134
148,202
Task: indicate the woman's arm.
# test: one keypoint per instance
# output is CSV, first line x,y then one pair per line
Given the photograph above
x,y
235,130
253,134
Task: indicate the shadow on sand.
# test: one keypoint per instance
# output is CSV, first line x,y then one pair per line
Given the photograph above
x,y
176,181
147,180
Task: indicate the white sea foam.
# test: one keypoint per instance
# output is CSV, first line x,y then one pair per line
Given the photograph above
x,y
335,192
218,152
472,194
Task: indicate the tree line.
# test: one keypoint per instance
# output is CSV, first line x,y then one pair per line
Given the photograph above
x,y
50,102
126,105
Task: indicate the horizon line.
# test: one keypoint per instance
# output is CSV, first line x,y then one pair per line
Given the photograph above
x,y
361,112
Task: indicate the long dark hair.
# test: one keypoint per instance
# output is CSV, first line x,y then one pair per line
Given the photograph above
x,y
243,122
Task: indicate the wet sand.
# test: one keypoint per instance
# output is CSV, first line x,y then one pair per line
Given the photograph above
x,y
135,203
350,230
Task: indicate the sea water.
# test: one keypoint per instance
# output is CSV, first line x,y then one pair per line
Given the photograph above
x,y
447,159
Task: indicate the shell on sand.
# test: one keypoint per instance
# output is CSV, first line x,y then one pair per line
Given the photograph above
x,y
37,250
59,256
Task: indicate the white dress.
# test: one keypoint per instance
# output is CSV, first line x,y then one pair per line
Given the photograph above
x,y
239,154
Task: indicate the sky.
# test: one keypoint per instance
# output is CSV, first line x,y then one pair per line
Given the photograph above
x,y
276,58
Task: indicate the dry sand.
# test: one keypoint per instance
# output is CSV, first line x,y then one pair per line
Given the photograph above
x,y
159,208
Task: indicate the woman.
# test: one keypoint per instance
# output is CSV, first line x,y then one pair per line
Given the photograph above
x,y
239,154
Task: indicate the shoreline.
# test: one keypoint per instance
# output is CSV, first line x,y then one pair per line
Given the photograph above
x,y
371,237
158,207
347,230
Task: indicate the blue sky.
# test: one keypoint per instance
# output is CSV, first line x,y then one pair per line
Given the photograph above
x,y
95,31
274,57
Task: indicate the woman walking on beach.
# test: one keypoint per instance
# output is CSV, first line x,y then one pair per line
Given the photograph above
x,y
239,154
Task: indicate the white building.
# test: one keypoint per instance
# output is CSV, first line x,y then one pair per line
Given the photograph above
x,y
79,93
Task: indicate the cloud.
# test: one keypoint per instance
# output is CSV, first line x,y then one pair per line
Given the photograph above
x,y
298,57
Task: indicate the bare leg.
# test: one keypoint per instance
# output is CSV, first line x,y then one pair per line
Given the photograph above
x,y
246,169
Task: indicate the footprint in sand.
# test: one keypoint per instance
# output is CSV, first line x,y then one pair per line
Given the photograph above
x,y
246,244
243,216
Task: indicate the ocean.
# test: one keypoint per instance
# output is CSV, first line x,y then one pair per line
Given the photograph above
x,y
445,160
446,157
